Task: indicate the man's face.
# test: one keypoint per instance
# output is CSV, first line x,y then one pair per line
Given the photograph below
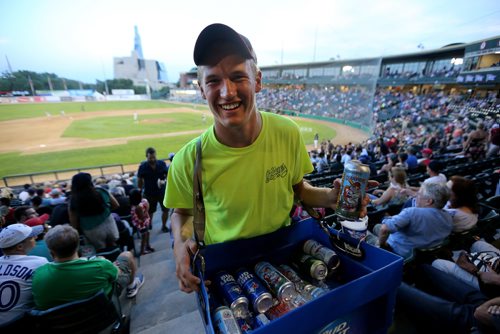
x,y
229,88
151,157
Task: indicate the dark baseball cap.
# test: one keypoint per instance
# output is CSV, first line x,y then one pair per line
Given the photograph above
x,y
218,40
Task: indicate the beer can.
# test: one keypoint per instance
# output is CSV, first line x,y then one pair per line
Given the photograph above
x,y
232,293
352,189
314,291
292,275
320,252
259,296
244,325
260,320
276,281
279,310
310,266
225,322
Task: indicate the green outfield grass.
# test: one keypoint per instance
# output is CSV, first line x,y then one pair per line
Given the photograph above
x,y
133,152
29,110
124,126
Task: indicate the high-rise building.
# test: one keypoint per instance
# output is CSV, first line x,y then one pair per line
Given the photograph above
x,y
141,71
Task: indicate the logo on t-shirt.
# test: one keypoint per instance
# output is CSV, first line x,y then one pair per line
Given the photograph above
x,y
276,172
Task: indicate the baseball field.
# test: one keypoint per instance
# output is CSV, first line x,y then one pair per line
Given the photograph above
x,y
42,137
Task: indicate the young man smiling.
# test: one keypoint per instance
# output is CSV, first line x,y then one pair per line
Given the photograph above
x,y
253,163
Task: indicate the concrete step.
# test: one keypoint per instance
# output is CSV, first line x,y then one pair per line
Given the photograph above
x,y
160,307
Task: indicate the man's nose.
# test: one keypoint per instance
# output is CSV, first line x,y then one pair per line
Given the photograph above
x,y
228,89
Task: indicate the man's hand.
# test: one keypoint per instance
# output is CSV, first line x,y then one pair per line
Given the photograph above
x,y
187,281
485,312
489,277
335,193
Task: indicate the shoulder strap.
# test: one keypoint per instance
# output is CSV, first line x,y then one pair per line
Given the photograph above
x,y
198,204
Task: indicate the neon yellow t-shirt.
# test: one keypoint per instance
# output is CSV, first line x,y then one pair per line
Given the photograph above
x,y
247,191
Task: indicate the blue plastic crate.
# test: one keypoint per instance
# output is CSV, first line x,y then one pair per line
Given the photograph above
x,y
362,305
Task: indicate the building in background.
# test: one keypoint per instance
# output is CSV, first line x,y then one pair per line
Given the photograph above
x,y
143,72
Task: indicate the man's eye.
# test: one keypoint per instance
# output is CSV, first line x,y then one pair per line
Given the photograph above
x,y
240,78
212,81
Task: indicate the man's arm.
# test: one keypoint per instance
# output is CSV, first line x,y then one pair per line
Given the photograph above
x,y
140,183
187,281
326,197
114,203
317,197
383,236
489,277
486,312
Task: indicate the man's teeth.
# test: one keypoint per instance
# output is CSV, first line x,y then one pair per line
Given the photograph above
x,y
230,106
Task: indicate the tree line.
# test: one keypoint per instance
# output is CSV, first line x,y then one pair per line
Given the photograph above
x,y
26,81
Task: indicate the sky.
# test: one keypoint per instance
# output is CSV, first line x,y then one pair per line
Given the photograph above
x,y
78,39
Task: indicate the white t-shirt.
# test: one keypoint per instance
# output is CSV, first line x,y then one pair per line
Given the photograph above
x,y
436,179
24,195
16,273
462,221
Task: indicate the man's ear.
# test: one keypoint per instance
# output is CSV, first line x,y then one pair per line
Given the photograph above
x,y
202,92
258,82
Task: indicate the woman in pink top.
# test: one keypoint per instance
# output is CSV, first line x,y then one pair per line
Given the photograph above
x,y
141,219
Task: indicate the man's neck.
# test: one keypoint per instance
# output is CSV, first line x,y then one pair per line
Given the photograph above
x,y
240,137
15,252
65,259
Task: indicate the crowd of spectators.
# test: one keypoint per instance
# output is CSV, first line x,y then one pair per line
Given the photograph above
x,y
59,222
413,134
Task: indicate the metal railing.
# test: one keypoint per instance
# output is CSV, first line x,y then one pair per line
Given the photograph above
x,y
60,174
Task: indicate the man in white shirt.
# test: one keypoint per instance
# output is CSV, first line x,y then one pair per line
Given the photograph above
x,y
16,270
433,169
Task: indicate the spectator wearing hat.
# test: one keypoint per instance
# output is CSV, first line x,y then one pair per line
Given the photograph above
x,y
426,157
56,197
37,220
16,270
241,135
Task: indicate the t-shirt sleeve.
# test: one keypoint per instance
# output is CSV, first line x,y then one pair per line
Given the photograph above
x,y
140,171
110,270
179,191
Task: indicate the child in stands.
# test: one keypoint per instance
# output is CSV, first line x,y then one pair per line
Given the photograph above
x,y
141,219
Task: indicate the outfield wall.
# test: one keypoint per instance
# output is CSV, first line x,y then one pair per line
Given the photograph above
x,y
45,99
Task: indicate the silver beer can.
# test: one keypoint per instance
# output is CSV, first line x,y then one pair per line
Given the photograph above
x,y
352,189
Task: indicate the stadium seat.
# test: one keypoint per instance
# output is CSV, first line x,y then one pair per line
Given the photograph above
x,y
494,202
20,324
87,316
